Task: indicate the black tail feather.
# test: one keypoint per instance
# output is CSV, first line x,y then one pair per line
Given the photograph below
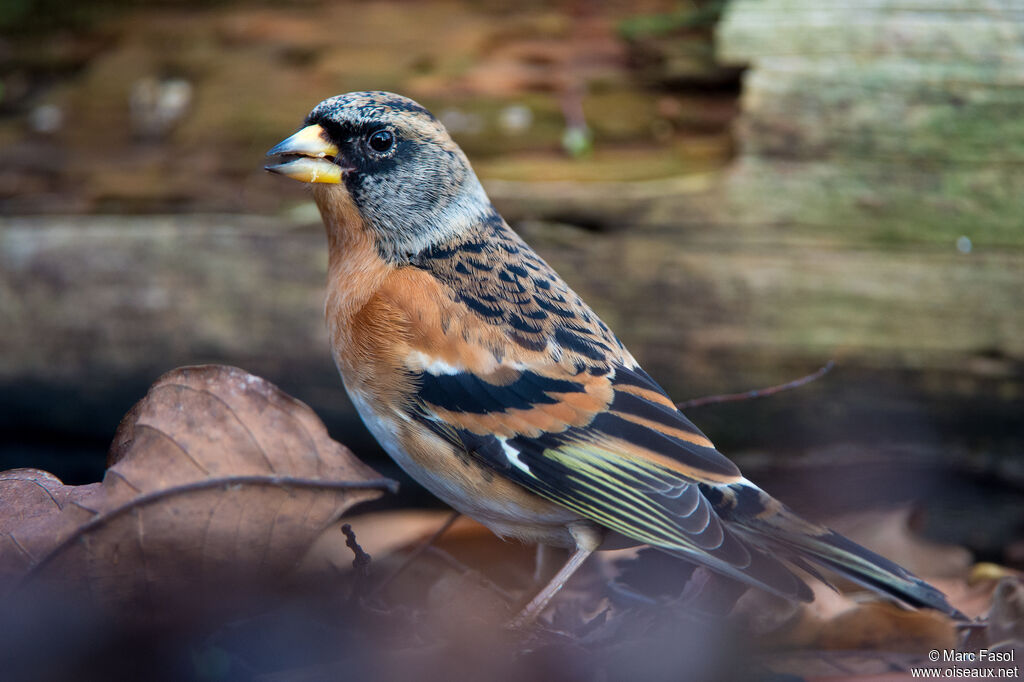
x,y
876,572
811,543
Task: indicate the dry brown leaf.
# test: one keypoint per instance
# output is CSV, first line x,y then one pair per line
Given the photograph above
x,y
971,600
890,533
1006,618
214,475
834,621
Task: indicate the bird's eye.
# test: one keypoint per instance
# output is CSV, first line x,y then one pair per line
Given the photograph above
x,y
381,141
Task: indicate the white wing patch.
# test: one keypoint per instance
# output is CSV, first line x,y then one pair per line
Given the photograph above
x,y
421,362
426,363
512,455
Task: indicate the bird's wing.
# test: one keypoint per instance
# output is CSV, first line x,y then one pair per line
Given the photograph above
x,y
612,448
508,363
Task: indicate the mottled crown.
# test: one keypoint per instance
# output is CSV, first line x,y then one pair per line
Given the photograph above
x,y
370,105
375,108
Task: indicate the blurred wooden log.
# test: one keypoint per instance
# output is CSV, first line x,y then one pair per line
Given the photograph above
x,y
894,119
85,296
602,206
104,303
951,30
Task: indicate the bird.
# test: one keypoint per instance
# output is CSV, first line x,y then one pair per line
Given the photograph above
x,y
497,388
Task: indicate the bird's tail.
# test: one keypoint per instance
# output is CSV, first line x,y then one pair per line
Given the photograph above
x,y
784,531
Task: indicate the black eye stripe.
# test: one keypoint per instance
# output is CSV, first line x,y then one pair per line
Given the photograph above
x,y
381,141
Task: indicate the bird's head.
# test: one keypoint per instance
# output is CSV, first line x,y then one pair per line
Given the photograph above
x,y
391,160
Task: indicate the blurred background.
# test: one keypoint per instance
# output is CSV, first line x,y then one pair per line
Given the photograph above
x,y
743,189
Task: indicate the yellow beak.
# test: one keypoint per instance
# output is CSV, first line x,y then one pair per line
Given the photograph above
x,y
308,156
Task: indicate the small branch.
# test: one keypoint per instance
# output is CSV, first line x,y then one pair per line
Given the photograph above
x,y
361,562
757,393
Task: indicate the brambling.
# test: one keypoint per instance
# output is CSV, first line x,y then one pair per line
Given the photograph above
x,y
496,387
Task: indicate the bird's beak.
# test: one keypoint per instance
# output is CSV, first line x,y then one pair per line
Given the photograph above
x,y
308,156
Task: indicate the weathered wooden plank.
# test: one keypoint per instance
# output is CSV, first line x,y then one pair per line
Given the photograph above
x,y
945,30
99,295
83,297
91,309
875,199
891,110
984,7
884,120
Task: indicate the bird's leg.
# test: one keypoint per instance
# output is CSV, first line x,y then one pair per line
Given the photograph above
x,y
588,538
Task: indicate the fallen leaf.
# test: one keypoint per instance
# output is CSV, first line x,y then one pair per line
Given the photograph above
x,y
216,477
890,532
1006,618
834,621
970,600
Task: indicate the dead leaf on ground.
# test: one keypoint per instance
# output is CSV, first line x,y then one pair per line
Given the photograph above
x,y
1006,619
971,600
835,621
214,475
890,532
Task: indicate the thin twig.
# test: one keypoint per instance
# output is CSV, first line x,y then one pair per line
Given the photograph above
x,y
416,553
757,393
361,561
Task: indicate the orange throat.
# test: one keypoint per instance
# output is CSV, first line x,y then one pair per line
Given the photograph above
x,y
355,270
